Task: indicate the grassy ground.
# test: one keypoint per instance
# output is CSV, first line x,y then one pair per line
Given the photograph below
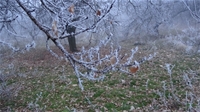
x,y
40,82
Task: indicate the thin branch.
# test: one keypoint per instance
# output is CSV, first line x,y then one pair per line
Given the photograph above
x,y
28,12
92,26
45,6
9,20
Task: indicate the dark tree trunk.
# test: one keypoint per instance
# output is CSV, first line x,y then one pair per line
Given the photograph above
x,y
71,38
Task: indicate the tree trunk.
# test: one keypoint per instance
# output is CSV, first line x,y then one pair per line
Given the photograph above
x,y
71,38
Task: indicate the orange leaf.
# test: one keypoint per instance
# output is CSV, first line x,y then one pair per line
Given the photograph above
x,y
113,60
98,12
71,9
134,69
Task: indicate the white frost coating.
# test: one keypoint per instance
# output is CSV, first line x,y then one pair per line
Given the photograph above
x,y
30,45
133,51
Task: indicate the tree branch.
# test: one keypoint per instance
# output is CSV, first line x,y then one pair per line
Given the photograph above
x,y
93,25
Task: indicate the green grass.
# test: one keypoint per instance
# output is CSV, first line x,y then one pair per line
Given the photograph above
x,y
55,89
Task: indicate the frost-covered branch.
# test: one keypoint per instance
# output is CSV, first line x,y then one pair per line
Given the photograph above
x,y
94,25
194,13
8,20
93,63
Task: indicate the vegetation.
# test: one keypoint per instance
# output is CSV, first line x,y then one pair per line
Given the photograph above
x,y
142,55
48,84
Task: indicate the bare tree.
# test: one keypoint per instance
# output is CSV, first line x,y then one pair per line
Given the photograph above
x,y
193,7
8,13
53,18
147,16
193,33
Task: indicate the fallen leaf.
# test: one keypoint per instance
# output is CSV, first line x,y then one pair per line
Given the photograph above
x,y
74,85
123,81
132,108
63,96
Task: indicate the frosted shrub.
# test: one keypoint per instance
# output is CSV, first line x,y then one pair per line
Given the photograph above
x,y
190,40
190,85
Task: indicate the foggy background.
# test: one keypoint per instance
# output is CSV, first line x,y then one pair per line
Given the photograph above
x,y
131,21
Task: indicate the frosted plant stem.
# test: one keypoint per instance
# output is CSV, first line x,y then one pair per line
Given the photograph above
x,y
89,102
